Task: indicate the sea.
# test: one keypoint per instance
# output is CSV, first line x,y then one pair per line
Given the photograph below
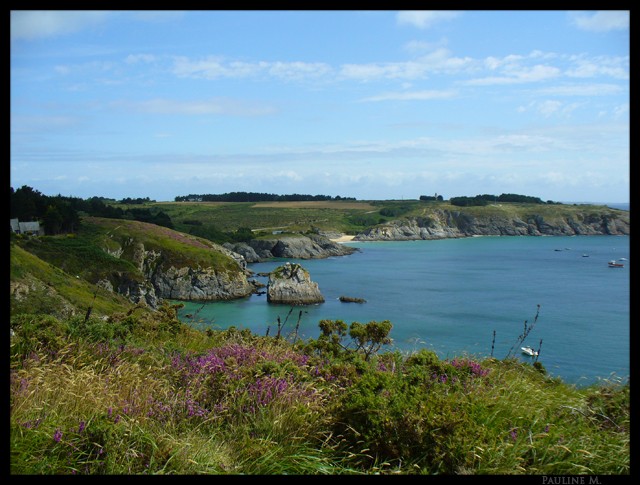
x,y
466,297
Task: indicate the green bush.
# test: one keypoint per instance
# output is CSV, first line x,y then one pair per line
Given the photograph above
x,y
35,333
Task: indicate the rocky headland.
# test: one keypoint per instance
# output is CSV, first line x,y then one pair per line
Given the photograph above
x,y
310,246
165,277
441,224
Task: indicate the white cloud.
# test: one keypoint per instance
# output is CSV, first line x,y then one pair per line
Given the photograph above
x,y
218,106
215,67
413,95
616,67
518,75
34,24
394,70
424,19
135,58
298,70
417,46
582,90
548,108
603,21
621,111
438,61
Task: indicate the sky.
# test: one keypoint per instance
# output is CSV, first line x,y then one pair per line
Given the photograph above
x,y
375,105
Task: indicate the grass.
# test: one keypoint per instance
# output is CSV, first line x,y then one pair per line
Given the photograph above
x,y
182,249
160,397
41,287
59,274
349,217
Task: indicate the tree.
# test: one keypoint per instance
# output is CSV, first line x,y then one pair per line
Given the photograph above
x,y
52,220
331,338
27,204
370,337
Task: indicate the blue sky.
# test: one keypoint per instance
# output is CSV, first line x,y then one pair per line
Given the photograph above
x,y
366,104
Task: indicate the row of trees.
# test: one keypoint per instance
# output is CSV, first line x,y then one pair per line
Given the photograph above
x,y
60,214
485,199
255,197
432,197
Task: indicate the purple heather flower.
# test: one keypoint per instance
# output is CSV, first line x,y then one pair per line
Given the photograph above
x,y
81,427
57,436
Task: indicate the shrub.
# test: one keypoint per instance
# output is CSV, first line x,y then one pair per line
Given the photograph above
x,y
35,333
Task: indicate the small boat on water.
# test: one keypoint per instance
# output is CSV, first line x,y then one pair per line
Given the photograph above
x,y
529,351
614,264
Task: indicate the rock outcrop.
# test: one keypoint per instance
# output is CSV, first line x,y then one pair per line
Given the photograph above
x,y
200,284
164,277
443,224
311,246
291,284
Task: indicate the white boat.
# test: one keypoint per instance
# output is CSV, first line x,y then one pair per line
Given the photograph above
x,y
529,351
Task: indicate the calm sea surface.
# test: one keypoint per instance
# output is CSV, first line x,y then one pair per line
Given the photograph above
x,y
450,295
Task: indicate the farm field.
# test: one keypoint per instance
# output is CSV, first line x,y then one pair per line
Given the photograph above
x,y
295,216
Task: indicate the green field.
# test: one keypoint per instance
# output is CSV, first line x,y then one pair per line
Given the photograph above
x,y
348,217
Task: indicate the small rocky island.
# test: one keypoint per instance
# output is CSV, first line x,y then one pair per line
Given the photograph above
x,y
291,284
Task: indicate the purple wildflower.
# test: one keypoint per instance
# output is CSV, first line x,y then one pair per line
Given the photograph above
x,y
514,434
81,427
57,436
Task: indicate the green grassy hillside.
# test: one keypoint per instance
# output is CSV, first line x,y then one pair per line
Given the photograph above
x,y
349,217
40,287
58,274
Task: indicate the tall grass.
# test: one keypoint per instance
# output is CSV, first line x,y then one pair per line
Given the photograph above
x,y
149,395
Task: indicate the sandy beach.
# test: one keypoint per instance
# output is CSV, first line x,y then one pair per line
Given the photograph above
x,y
342,239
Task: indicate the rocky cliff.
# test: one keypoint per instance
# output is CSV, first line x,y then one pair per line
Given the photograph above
x,y
291,284
166,277
169,264
311,246
442,224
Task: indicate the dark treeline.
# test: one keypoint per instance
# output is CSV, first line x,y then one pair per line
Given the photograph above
x,y
486,199
137,200
432,197
255,197
59,214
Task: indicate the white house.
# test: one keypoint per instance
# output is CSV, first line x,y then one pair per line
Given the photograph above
x,y
31,228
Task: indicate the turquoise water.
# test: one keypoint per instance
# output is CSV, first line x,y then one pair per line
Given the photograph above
x,y
450,295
